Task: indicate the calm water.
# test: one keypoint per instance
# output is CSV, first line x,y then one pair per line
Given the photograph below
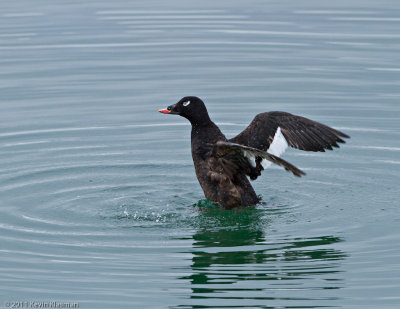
x,y
99,203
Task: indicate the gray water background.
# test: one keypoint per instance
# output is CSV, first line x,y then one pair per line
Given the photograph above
x,y
99,203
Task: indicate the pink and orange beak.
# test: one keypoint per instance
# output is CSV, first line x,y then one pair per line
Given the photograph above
x,y
164,111
169,110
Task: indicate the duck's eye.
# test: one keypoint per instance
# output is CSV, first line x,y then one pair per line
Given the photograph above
x,y
186,103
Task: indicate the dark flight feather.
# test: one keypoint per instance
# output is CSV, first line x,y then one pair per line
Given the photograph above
x,y
299,132
235,154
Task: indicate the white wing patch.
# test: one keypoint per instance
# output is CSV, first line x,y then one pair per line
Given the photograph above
x,y
279,144
277,147
250,157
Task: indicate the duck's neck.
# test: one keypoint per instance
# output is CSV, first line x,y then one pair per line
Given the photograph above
x,y
201,126
206,132
202,121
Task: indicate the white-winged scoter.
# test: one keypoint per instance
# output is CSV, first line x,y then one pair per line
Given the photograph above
x,y
222,165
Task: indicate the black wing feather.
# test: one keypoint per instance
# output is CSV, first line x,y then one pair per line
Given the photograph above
x,y
233,160
299,132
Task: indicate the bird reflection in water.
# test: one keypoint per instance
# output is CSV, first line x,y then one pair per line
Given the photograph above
x,y
233,260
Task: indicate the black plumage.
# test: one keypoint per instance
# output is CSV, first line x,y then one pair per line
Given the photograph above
x,y
222,165
299,132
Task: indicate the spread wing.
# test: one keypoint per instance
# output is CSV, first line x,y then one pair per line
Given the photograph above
x,y
235,158
274,131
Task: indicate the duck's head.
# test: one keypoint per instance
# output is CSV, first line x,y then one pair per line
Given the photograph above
x,y
192,108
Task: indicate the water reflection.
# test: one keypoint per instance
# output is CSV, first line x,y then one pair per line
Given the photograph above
x,y
235,259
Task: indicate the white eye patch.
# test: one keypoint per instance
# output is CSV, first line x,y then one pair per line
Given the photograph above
x,y
186,103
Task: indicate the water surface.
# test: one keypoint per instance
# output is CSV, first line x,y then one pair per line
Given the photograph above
x,y
99,201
